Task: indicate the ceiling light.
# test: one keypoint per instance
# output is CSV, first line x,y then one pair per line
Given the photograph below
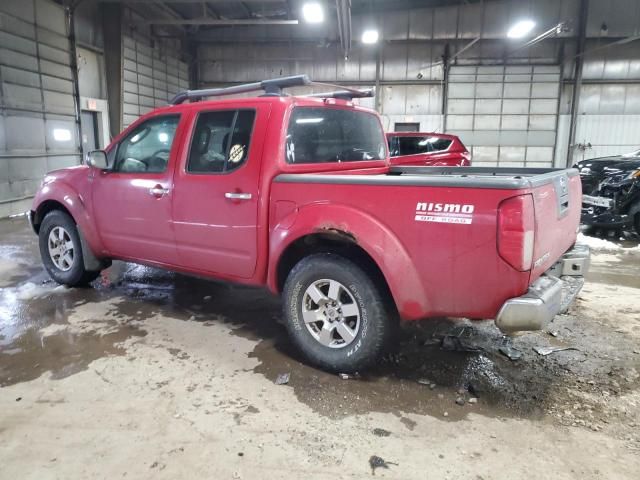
x,y
521,28
370,36
312,12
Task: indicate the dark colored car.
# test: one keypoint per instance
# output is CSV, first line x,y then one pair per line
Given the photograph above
x,y
611,187
427,149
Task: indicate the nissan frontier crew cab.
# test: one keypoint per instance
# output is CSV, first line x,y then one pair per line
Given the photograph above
x,y
296,193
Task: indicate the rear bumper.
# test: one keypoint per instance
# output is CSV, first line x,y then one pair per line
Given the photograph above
x,y
550,295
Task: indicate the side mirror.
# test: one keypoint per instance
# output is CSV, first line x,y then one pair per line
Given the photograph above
x,y
98,159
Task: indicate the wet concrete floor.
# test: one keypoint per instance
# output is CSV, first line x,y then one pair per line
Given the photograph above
x,y
423,376
152,372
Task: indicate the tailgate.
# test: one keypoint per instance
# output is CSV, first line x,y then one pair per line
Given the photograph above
x,y
557,204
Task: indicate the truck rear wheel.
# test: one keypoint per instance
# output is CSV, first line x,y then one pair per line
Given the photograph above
x,y
335,314
61,250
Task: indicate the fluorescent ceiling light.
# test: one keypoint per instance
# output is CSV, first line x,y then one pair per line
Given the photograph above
x,y
521,28
370,36
312,12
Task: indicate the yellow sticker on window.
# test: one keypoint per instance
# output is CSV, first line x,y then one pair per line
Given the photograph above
x,y
236,153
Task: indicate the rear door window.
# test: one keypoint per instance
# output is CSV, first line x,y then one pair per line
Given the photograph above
x,y
322,135
221,141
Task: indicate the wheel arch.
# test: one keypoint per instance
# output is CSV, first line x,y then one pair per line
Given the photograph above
x,y
359,237
89,242
333,241
45,207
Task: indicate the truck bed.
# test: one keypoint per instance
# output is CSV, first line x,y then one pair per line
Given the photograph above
x,y
451,255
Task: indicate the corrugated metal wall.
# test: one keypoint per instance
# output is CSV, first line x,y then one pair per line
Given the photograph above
x,y
609,112
520,118
152,76
37,114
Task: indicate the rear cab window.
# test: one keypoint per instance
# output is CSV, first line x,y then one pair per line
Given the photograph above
x,y
324,135
414,145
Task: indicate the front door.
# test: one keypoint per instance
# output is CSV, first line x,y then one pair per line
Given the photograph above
x,y
216,192
132,201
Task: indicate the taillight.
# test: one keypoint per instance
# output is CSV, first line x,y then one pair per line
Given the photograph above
x,y
516,224
467,158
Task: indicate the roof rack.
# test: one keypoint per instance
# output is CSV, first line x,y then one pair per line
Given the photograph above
x,y
344,94
272,87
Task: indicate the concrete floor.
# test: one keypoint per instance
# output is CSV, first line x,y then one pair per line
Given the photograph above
x,y
154,374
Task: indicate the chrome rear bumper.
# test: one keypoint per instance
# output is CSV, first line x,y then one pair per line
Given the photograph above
x,y
549,295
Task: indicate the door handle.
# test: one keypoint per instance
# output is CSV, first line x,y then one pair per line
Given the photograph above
x,y
237,196
158,191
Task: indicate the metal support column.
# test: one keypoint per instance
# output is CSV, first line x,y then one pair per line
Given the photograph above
x,y
73,58
112,31
577,78
445,85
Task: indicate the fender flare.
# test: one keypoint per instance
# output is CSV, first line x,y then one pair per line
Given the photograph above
x,y
66,196
369,233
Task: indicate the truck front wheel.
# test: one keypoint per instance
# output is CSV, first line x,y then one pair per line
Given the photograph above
x,y
61,250
335,314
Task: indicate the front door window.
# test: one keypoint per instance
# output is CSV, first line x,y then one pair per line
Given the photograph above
x,y
146,149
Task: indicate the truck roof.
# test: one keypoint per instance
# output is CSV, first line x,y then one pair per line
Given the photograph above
x,y
287,100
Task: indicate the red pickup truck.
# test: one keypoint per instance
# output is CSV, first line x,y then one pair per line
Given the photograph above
x,y
427,149
296,193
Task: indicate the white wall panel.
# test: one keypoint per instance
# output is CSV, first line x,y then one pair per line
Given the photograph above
x,y
607,134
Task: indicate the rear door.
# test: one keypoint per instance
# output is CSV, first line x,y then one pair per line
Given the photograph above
x,y
215,209
132,201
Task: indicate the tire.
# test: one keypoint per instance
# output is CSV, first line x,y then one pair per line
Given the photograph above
x,y
64,262
357,340
636,222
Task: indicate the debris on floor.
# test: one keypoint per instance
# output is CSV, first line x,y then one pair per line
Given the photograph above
x,y
550,350
381,432
451,343
427,382
378,462
344,376
510,352
283,379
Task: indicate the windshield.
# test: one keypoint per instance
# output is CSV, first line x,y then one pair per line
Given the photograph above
x,y
321,135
